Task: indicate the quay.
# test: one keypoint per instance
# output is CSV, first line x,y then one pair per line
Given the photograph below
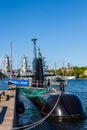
x,y
8,118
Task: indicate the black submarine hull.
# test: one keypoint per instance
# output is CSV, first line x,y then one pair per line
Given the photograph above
x,y
69,107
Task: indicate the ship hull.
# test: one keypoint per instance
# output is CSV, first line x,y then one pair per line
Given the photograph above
x,y
61,108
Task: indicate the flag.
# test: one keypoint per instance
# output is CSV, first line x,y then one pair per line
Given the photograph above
x,y
39,53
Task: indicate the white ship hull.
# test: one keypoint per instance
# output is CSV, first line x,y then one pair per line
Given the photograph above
x,y
70,77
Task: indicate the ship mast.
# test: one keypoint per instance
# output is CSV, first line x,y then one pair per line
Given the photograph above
x,y
11,60
34,42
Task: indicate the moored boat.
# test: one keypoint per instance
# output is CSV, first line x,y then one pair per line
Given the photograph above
x,y
52,103
70,77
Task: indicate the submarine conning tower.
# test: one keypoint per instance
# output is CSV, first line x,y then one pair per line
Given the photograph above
x,y
38,68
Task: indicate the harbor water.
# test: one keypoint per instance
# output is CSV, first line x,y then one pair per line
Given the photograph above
x,y
32,114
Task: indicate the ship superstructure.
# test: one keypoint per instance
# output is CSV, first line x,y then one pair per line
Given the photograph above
x,y
6,69
25,70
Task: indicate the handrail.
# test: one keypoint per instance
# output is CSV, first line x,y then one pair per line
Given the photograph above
x,y
38,83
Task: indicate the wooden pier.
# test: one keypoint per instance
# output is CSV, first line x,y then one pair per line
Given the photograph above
x,y
8,118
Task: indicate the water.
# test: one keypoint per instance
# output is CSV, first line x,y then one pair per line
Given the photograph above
x,y
31,114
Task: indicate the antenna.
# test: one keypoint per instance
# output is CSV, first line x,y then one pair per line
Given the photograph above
x,y
34,42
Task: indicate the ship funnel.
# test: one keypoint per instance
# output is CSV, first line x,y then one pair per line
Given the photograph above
x,y
34,42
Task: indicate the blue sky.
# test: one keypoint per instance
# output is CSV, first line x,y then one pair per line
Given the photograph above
x,y
59,25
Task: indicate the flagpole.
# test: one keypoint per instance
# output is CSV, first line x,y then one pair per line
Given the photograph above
x,y
11,60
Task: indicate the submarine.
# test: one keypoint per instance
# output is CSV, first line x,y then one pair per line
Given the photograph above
x,y
58,104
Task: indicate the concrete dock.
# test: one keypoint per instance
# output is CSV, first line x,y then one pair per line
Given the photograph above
x,y
8,118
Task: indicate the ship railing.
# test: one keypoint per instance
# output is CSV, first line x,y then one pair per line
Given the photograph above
x,y
38,84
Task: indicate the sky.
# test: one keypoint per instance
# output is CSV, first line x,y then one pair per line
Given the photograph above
x,y
59,25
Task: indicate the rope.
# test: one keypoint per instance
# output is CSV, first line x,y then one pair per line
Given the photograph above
x,y
30,126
